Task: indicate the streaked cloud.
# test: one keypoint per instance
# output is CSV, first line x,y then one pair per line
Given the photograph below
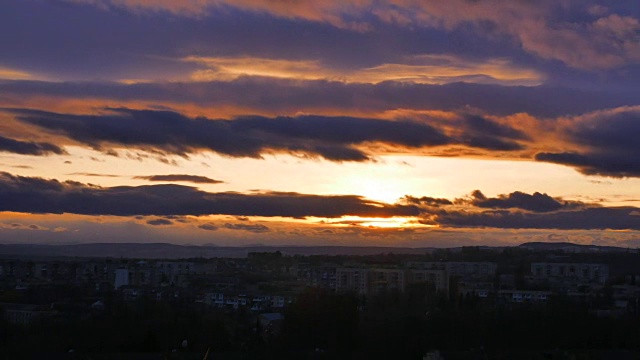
x,y
259,95
180,178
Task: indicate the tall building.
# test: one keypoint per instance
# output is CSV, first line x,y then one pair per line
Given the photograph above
x,y
122,278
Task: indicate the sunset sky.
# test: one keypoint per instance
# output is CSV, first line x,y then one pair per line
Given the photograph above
x,y
353,122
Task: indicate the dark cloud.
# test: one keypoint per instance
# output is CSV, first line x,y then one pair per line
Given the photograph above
x,y
600,218
425,200
37,195
480,132
535,202
29,148
332,138
255,228
606,163
209,227
180,177
520,210
18,226
610,139
159,222
492,143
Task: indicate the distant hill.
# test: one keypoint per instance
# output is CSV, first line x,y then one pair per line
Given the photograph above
x,y
172,251
570,247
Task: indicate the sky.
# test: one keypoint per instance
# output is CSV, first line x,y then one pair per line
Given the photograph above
x,y
355,122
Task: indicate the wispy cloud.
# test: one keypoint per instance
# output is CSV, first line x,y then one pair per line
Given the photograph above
x,y
12,74
548,29
94,174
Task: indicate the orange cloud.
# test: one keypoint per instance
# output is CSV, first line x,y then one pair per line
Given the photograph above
x,y
14,74
422,69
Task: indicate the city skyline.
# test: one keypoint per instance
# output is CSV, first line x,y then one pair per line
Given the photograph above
x,y
374,123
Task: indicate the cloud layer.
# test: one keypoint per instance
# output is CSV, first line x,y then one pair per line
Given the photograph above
x,y
38,195
398,96
333,138
516,210
520,210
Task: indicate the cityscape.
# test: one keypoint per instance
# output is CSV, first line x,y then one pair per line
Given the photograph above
x,y
253,303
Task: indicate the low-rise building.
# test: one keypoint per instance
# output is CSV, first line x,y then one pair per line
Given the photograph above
x,y
524,296
22,314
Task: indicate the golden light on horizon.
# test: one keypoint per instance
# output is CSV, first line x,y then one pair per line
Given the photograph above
x,y
377,222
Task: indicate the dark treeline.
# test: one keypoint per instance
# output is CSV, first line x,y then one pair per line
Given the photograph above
x,y
322,324
407,325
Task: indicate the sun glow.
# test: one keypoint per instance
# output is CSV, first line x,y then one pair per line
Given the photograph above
x,y
374,222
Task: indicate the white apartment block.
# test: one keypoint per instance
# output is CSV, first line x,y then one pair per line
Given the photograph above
x,y
122,278
584,272
353,279
479,269
436,277
458,268
387,279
